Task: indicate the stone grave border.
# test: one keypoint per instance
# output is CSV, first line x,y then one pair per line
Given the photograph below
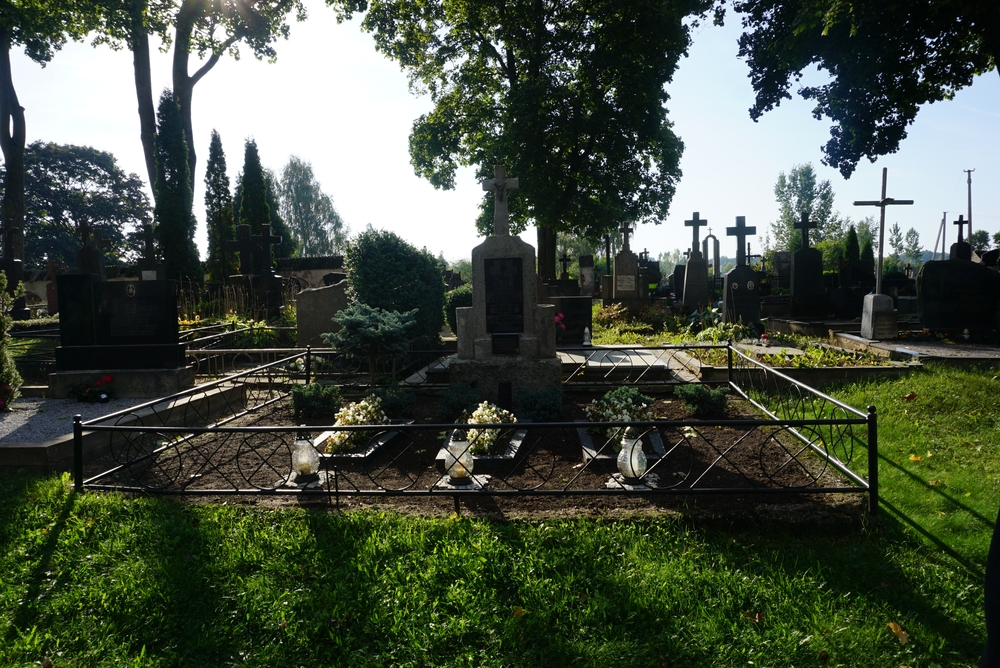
x,y
816,437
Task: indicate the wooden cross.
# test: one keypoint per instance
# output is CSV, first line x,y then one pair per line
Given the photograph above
x,y
243,245
805,225
565,261
625,230
500,185
961,224
741,232
265,240
695,223
881,204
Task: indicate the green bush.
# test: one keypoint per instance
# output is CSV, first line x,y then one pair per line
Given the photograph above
x,y
386,272
458,399
10,379
314,401
396,401
370,333
540,405
701,401
459,297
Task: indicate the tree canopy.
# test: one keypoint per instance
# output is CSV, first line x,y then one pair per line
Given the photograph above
x,y
885,59
65,184
309,212
800,192
569,96
219,220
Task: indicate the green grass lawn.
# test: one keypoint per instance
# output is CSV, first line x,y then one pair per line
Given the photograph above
x,y
99,580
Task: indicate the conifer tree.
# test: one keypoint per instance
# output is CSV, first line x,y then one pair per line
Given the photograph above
x,y
174,198
219,213
852,250
251,197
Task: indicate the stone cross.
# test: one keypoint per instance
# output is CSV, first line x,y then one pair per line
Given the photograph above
x,y
625,230
695,223
881,204
265,240
805,225
148,237
85,231
500,185
741,232
565,261
961,224
243,245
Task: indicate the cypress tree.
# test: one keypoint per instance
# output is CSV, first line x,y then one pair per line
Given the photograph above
x,y
252,198
219,213
852,250
868,254
174,198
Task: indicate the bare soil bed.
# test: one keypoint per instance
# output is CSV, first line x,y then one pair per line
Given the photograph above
x,y
549,459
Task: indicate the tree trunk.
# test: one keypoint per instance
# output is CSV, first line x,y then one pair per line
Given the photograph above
x,y
546,254
12,134
144,89
183,82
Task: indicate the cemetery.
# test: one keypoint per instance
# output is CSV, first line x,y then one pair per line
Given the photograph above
x,y
282,442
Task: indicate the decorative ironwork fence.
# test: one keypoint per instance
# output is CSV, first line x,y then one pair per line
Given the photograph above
x,y
213,440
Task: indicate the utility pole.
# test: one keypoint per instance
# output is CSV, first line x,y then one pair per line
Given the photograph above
x,y
969,173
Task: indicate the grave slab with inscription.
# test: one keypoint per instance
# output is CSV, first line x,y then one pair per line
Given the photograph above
x,y
506,339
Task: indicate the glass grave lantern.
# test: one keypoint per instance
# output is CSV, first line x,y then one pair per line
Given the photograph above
x,y
631,458
305,460
458,460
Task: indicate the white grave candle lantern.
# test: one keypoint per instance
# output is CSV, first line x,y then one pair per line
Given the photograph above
x,y
305,460
458,460
631,458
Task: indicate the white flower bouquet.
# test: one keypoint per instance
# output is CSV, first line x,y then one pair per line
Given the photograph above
x,y
481,440
367,411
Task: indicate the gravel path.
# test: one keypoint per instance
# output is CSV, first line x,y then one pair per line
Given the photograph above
x,y
38,420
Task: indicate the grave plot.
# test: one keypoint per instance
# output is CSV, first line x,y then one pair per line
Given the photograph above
x,y
773,435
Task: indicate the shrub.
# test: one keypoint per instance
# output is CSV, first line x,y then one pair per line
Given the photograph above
x,y
367,332
702,401
540,405
386,272
458,399
314,401
10,379
459,297
608,316
396,401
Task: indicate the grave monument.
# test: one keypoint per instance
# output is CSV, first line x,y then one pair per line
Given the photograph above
x,y
808,293
150,269
696,292
878,319
741,292
588,282
506,339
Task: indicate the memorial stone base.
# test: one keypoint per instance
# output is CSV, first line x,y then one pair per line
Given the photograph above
x,y
490,376
878,320
132,383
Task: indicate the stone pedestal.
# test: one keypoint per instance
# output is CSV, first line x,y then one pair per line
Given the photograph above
x,y
131,383
878,320
741,296
315,308
696,292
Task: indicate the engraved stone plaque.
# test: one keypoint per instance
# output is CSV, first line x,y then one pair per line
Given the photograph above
x,y
504,295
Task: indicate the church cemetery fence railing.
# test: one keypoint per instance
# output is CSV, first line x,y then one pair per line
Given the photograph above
x,y
213,440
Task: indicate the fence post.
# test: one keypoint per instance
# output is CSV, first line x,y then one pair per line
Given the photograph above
x,y
872,461
729,361
308,362
77,453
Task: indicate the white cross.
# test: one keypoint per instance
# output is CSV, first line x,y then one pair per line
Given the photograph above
x,y
500,185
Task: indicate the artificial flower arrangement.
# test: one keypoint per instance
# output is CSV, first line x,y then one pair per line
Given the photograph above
x,y
560,325
100,391
623,404
367,411
481,440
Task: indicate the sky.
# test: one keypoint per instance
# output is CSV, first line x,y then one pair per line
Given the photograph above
x,y
332,100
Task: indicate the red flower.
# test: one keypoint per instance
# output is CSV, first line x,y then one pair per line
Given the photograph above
x,y
98,384
108,379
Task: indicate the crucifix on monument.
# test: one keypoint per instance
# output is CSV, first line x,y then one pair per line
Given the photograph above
x,y
741,232
805,225
695,223
565,261
881,204
500,186
961,224
265,240
245,246
625,230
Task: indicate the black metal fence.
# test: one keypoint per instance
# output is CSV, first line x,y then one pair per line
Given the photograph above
x,y
218,438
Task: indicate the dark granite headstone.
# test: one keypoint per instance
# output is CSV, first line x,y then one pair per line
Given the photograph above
x,y
76,318
588,282
505,343
577,316
808,299
140,312
504,295
953,295
741,296
677,281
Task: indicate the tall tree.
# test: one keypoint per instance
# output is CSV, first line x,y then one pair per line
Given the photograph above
x,y
570,96
852,247
896,240
309,212
65,184
289,245
913,251
206,29
174,197
41,28
885,58
250,206
219,220
799,192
